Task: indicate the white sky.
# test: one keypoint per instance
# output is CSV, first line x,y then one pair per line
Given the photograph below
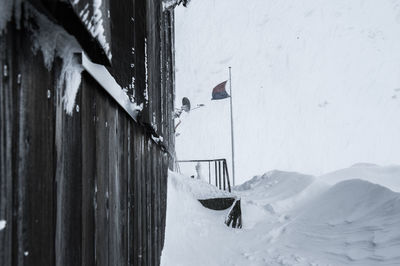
x,y
316,84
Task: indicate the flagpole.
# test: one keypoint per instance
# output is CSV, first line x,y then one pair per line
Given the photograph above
x,y
232,139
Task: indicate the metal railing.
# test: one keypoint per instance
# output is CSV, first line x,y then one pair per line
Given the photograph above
x,y
217,172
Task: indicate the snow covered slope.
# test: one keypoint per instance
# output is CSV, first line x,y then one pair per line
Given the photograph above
x,y
289,219
388,176
316,84
355,222
278,191
189,224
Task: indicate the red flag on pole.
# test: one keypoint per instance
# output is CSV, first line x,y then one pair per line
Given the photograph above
x,y
219,92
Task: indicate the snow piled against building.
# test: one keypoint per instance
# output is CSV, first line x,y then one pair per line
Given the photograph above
x,y
188,222
289,219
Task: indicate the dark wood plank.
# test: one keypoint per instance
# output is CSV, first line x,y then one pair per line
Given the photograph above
x,y
68,183
114,189
36,154
102,179
6,126
139,203
88,109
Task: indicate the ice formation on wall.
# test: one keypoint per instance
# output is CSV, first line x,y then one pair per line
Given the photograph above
x,y
71,77
52,41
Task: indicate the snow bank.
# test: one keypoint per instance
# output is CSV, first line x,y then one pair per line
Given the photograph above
x,y
289,219
188,224
275,181
278,191
388,176
355,222
197,188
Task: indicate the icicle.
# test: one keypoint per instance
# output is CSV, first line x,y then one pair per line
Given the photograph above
x,y
52,40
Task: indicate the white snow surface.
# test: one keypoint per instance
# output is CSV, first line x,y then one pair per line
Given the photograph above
x,y
195,187
315,84
288,219
388,176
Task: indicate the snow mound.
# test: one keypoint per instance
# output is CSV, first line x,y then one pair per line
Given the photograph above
x,y
274,181
279,191
388,176
355,222
196,187
289,219
189,225
353,200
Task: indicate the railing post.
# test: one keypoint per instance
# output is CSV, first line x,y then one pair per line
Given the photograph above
x,y
223,172
215,167
221,184
219,171
227,174
209,173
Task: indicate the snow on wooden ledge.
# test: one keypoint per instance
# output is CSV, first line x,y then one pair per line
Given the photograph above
x,y
107,81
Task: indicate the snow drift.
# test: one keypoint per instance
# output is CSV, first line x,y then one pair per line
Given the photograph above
x,y
289,219
388,176
354,222
189,224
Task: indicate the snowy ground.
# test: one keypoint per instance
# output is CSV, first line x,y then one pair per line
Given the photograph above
x,y
349,217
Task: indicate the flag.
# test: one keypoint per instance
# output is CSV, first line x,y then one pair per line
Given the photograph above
x,y
219,92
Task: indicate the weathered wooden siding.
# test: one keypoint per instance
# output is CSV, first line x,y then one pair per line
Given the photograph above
x,y
86,189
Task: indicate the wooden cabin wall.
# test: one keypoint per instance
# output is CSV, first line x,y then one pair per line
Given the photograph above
x,y
91,188
168,80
